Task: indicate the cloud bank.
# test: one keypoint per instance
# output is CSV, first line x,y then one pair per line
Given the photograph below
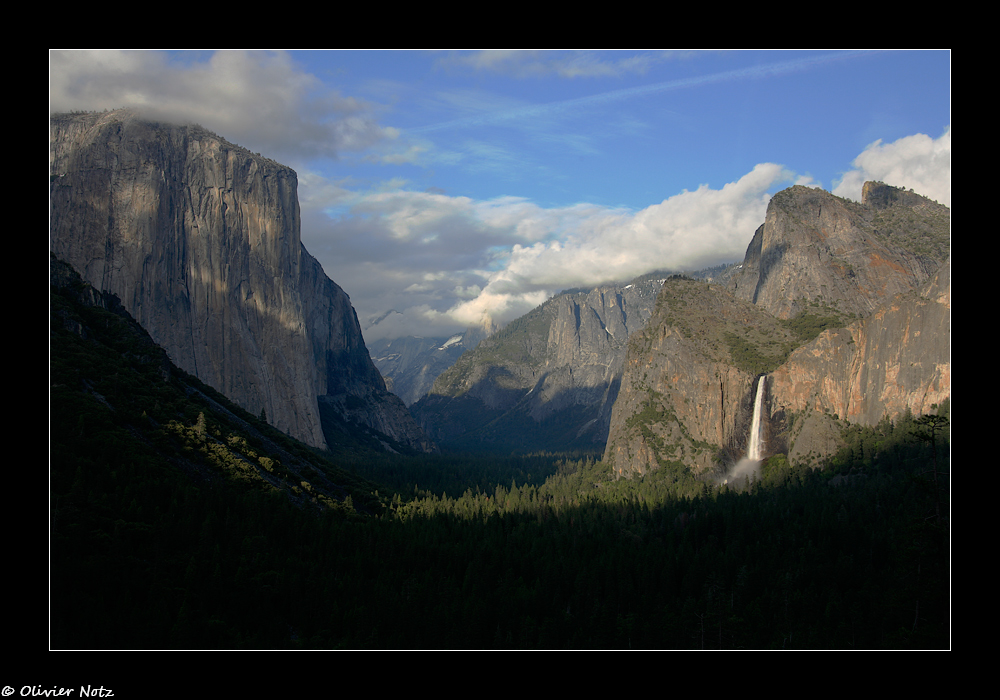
x,y
455,262
915,162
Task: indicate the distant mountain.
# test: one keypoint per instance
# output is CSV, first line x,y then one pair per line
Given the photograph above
x,y
861,290
200,240
546,381
411,364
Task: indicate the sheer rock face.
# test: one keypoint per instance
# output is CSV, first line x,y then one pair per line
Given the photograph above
x,y
552,374
675,405
199,238
896,359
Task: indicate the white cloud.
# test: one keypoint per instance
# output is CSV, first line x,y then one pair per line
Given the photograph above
x,y
448,262
915,162
261,100
687,231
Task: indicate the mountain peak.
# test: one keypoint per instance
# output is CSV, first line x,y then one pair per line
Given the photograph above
x,y
817,248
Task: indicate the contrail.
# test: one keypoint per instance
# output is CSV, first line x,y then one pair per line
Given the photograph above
x,y
753,72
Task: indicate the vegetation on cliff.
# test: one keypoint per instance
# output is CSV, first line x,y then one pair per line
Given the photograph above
x,y
117,397
905,219
720,327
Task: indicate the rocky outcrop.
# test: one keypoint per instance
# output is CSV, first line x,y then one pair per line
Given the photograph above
x,y
816,247
547,380
200,240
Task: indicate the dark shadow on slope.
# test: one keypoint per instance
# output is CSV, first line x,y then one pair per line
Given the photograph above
x,y
576,419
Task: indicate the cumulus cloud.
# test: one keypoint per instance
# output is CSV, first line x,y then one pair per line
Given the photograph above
x,y
915,162
446,262
501,258
260,100
452,262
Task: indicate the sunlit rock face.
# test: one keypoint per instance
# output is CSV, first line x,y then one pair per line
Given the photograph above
x,y
848,256
895,360
200,239
881,265
683,399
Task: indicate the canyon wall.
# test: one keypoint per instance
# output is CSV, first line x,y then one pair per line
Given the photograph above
x,y
848,256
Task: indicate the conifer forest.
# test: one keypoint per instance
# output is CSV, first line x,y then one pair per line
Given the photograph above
x,y
180,521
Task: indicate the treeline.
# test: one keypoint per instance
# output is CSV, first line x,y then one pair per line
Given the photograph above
x,y
179,521
843,557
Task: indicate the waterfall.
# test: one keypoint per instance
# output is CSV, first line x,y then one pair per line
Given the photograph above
x,y
748,468
756,448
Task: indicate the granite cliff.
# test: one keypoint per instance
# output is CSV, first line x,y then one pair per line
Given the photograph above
x,y
816,247
895,360
870,279
200,240
546,381
687,388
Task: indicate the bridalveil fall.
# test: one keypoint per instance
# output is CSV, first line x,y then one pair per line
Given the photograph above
x,y
755,451
749,465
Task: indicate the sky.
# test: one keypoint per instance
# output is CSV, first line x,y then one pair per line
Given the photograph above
x,y
443,188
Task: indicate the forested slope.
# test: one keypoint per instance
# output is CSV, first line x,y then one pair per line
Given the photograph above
x,y
179,521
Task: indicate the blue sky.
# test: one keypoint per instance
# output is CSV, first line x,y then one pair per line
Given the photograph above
x,y
452,186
